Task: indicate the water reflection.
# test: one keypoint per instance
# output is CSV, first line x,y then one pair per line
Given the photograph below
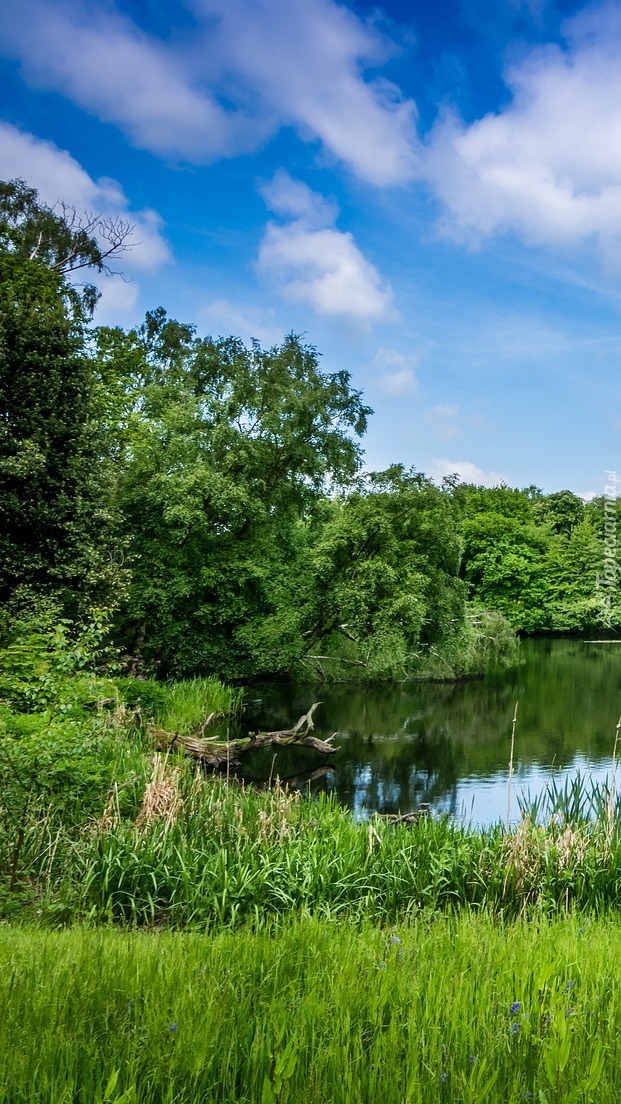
x,y
447,744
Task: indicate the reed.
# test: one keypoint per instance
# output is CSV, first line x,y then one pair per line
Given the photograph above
x,y
514,722
189,704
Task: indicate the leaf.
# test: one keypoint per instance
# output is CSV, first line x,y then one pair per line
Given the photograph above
x,y
267,1096
112,1083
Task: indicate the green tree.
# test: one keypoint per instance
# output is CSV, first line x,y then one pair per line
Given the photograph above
x,y
383,594
55,525
504,555
227,449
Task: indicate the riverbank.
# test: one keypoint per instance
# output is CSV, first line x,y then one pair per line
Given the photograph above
x,y
172,936
183,850
458,1009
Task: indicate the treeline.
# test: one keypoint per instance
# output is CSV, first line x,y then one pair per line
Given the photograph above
x,y
545,561
209,497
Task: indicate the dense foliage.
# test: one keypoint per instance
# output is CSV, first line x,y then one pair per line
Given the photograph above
x,y
540,559
56,511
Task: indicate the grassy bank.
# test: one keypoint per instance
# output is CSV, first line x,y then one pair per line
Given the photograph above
x,y
180,849
462,1009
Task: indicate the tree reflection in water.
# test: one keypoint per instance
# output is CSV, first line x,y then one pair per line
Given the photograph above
x,y
405,745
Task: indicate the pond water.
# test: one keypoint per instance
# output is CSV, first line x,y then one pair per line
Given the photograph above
x,y
448,744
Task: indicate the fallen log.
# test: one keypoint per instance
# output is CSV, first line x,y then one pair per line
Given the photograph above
x,y
215,753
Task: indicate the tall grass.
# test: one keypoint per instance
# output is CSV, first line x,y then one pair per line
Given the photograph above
x,y
185,850
189,703
445,1009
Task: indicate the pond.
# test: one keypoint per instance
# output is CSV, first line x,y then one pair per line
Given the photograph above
x,y
447,745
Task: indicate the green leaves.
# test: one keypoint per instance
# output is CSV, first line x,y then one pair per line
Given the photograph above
x,y
229,450
534,557
56,528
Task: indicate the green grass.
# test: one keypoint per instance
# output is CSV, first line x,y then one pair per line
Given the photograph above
x,y
187,704
184,850
444,1009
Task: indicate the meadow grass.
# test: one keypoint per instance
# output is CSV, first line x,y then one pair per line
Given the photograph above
x,y
459,1009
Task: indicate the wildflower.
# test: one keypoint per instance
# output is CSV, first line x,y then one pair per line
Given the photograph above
x,y
515,1027
515,1008
173,1027
444,1076
570,985
394,939
471,1060
568,1012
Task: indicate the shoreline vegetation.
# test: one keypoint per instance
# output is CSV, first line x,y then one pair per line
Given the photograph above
x,y
101,825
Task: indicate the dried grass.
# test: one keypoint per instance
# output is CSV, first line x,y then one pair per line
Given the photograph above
x,y
276,824
571,847
162,798
525,854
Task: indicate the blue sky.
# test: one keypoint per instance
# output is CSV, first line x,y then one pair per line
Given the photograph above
x,y
430,194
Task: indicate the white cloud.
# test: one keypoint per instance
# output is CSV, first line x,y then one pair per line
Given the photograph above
x,y
313,262
304,59
466,470
397,372
251,67
245,321
548,165
57,176
118,300
293,199
104,63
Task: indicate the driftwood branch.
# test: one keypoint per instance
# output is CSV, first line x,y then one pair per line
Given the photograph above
x,y
214,753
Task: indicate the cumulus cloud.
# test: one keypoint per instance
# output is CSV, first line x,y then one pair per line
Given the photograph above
x,y
251,67
397,372
466,470
313,262
57,176
548,165
305,61
293,199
